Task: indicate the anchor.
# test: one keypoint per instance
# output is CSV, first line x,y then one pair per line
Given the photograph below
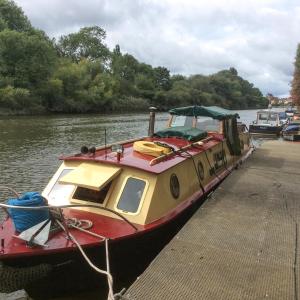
x,y
37,234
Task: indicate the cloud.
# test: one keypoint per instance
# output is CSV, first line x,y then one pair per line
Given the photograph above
x,y
258,38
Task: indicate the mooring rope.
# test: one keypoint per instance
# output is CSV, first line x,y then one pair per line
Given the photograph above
x,y
196,170
107,272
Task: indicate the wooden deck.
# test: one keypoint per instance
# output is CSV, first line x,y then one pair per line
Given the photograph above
x,y
243,243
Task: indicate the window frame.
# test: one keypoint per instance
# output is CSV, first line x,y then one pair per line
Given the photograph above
x,y
57,178
103,204
141,200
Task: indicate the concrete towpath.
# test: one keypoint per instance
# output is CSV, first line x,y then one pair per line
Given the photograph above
x,y
243,243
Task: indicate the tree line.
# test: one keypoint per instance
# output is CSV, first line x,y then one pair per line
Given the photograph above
x,y
78,73
295,91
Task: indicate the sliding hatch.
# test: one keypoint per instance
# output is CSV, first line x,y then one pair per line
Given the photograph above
x,y
91,176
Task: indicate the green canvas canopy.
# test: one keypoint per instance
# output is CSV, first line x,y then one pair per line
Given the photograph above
x,y
214,112
187,133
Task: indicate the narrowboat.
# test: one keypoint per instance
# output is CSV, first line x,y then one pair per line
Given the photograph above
x,y
267,122
123,198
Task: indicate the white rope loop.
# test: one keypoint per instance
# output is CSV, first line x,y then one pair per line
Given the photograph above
x,y
107,273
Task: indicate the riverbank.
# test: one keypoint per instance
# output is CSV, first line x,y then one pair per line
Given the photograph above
x,y
122,110
123,106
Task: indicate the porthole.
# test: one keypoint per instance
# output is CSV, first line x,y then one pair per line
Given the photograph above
x,y
200,170
174,186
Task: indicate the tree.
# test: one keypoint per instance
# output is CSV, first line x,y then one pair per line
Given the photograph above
x,y
28,60
295,92
87,43
233,71
162,78
12,17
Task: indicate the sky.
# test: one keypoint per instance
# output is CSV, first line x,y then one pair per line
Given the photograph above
x,y
257,37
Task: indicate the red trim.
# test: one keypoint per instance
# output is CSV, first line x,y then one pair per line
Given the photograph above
x,y
140,161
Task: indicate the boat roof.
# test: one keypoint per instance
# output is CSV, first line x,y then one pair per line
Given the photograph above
x,y
269,111
132,158
214,112
291,109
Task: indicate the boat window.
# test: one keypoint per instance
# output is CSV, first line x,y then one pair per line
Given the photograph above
x,y
174,186
86,194
273,117
282,116
131,195
263,117
208,124
60,193
182,121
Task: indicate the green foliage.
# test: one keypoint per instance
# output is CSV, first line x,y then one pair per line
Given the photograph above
x,y
19,101
12,17
87,43
224,88
295,92
14,98
162,78
79,74
27,59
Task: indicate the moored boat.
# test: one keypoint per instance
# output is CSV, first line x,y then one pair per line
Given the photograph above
x,y
127,194
291,131
283,118
290,111
267,122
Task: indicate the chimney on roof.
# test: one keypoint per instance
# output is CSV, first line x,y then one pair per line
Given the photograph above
x,y
151,121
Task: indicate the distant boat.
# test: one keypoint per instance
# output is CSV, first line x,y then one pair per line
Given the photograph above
x,y
290,111
283,118
267,122
292,131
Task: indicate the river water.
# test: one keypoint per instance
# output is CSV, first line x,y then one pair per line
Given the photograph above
x,y
30,145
